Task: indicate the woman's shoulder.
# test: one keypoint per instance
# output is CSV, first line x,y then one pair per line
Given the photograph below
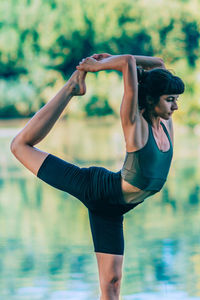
x,y
168,124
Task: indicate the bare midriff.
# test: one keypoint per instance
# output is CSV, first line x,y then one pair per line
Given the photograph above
x,y
132,194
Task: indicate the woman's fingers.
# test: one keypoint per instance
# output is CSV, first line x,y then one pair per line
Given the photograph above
x,y
81,63
97,56
100,56
88,64
84,60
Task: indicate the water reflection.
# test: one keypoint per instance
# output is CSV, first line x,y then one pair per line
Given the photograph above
x,y
194,195
46,249
167,198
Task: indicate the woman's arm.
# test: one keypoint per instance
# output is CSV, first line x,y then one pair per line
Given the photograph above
x,y
146,62
127,65
129,111
149,62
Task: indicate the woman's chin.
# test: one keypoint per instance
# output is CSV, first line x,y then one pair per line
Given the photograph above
x,y
167,116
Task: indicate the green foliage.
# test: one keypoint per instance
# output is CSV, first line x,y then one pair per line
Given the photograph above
x,y
41,42
98,107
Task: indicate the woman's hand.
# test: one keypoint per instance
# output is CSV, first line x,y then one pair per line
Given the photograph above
x,y
105,61
88,64
101,56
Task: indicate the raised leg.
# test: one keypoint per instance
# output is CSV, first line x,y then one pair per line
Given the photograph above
x,y
39,126
110,274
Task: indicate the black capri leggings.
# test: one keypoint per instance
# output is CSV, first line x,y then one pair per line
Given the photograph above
x,y
100,191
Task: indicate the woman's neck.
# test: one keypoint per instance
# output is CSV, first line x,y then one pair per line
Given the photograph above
x,y
154,121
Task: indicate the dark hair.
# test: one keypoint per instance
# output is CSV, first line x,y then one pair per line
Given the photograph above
x,y
155,83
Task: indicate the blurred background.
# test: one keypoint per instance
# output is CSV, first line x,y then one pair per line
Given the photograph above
x,y
45,242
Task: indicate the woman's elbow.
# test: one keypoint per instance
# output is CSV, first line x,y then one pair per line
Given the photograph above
x,y
130,59
15,145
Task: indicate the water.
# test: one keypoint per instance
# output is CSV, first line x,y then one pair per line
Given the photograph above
x,y
45,242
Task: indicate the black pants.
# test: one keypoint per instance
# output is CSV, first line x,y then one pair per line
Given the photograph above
x,y
100,191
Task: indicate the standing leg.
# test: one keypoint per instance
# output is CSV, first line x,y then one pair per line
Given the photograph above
x,y
108,239
110,274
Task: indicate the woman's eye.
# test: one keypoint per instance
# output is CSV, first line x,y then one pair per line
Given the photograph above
x,y
171,99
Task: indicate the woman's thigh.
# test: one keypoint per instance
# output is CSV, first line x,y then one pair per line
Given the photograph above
x,y
66,177
95,187
107,233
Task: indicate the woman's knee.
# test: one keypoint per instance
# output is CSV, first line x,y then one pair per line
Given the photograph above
x,y
111,282
113,277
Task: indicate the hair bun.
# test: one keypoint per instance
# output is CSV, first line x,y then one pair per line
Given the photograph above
x,y
141,74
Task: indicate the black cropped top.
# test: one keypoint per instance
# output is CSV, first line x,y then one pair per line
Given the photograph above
x,y
147,168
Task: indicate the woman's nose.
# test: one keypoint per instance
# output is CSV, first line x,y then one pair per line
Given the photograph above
x,y
175,105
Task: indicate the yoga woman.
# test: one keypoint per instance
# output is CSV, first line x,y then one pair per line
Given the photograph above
x,y
149,100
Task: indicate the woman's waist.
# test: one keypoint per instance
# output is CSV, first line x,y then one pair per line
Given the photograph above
x,y
145,182
133,194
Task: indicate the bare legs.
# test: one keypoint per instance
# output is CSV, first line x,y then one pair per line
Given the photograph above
x,y
110,266
110,274
39,126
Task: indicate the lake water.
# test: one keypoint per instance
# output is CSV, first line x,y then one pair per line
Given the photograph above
x,y
46,248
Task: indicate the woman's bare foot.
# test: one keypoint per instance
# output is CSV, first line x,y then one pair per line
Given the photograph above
x,y
89,64
77,82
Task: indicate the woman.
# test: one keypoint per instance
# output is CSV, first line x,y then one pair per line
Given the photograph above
x,y
150,98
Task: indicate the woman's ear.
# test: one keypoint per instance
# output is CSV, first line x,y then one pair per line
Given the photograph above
x,y
149,100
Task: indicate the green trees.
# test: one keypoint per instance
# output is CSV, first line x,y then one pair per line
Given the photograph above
x,y
41,42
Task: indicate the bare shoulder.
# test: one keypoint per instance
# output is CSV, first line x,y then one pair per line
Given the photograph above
x,y
169,125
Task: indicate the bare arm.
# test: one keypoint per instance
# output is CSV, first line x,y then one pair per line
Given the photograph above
x,y
146,62
129,111
149,62
127,65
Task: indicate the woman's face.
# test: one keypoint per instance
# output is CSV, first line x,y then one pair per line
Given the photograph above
x,y
166,106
